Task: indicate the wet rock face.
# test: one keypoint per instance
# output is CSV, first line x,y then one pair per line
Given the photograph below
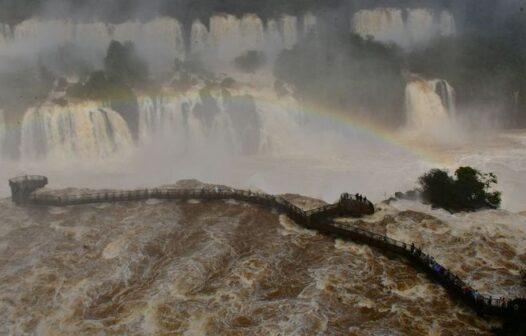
x,y
219,268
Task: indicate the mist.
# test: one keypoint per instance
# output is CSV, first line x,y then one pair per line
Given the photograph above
x,y
255,95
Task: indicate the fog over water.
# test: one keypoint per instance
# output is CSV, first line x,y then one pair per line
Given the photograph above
x,y
307,99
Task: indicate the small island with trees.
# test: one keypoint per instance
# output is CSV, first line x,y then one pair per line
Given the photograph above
x,y
468,189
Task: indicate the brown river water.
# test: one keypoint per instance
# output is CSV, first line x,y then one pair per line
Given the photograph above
x,y
229,268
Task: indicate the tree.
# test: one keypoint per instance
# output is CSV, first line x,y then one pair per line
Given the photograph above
x,y
467,190
250,61
123,63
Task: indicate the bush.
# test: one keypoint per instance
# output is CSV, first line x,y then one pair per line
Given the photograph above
x,y
251,61
468,190
123,63
347,73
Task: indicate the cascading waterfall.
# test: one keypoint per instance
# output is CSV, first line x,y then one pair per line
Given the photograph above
x,y
383,24
252,32
2,131
274,39
404,27
235,123
36,30
161,40
177,120
225,36
5,34
85,130
199,39
289,26
168,117
90,130
310,25
429,103
447,95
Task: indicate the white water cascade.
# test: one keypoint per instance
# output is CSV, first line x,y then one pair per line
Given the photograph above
x,y
2,131
289,26
199,37
5,34
310,25
406,28
85,130
429,103
162,40
235,123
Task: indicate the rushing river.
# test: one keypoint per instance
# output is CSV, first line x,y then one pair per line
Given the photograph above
x,y
229,268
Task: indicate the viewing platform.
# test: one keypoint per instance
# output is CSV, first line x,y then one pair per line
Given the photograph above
x,y
23,186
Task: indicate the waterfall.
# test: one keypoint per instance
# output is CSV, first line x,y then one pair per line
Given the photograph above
x,y
310,25
225,36
199,37
252,33
230,36
274,39
383,24
41,31
447,95
281,127
240,122
85,130
5,34
429,103
2,132
446,24
289,26
161,40
191,124
406,28
420,25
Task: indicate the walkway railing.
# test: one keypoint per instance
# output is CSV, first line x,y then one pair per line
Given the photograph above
x,y
317,219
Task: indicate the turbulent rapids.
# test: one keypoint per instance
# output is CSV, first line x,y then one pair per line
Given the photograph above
x,y
168,273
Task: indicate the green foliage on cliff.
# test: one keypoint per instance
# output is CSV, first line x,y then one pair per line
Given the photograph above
x,y
467,190
123,63
348,73
250,61
123,69
101,86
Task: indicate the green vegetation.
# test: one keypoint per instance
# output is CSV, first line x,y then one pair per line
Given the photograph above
x,y
347,73
22,87
250,61
123,71
101,86
468,190
123,63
